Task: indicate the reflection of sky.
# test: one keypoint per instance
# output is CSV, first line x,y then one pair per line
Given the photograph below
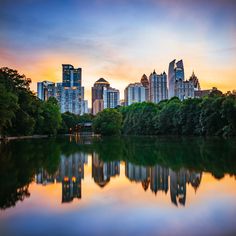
x,y
121,39
123,207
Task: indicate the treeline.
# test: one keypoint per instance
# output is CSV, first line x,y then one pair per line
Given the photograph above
x,y
213,115
22,113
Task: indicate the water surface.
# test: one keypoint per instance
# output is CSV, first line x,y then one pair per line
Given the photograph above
x,y
118,186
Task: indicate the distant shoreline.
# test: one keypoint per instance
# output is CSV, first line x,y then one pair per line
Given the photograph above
x,y
22,137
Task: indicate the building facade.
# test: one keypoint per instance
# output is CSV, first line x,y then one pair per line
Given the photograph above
x,y
70,93
177,85
157,87
145,82
111,97
134,93
45,90
97,93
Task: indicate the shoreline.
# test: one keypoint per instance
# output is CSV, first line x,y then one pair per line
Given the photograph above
x,y
22,137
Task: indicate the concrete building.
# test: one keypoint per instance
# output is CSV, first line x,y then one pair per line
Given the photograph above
x,y
134,93
157,87
45,90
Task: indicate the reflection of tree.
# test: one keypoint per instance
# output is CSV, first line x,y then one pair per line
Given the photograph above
x,y
19,161
214,155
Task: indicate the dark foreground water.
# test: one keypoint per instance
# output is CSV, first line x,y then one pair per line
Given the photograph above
x,y
118,186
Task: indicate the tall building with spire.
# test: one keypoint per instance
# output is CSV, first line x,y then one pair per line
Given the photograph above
x,y
157,87
145,82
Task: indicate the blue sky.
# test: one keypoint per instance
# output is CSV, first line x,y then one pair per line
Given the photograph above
x,y
120,40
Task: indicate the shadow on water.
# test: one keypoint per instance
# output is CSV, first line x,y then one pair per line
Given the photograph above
x,y
148,160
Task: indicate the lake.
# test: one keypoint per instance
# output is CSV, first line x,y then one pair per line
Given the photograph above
x,y
82,185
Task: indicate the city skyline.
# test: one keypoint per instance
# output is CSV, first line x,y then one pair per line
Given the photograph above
x,y
120,41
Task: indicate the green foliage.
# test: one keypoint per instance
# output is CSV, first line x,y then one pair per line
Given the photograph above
x,y
8,106
107,122
138,118
21,112
52,116
214,115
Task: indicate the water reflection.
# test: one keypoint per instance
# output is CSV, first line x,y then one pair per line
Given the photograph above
x,y
158,165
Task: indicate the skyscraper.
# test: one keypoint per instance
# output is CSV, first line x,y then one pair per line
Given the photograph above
x,y
71,76
97,92
111,97
171,79
70,93
177,85
193,78
45,90
157,87
144,81
134,93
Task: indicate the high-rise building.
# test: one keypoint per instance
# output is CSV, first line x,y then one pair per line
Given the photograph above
x,y
196,84
157,87
45,90
111,97
70,93
71,76
144,81
177,85
98,106
97,92
184,89
171,79
134,93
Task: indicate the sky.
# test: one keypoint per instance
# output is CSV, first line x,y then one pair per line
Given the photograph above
x,y
119,40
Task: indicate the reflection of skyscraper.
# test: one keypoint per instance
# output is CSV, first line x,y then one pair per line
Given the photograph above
x,y
71,173
42,177
102,171
136,173
194,179
159,178
178,186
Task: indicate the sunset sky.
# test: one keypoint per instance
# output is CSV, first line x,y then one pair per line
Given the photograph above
x,y
120,39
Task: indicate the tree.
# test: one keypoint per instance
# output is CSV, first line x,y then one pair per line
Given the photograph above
x,y
107,122
8,106
51,116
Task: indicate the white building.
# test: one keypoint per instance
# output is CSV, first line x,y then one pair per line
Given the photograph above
x,y
157,87
135,93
